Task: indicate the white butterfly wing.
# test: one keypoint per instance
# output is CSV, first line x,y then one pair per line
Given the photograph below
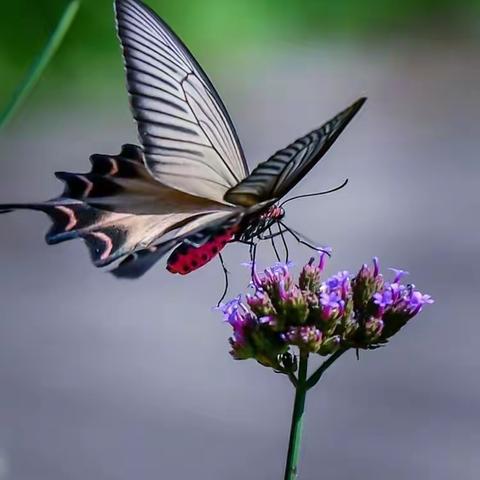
x,y
189,141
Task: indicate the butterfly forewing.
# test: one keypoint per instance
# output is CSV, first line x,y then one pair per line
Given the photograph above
x,y
283,170
189,140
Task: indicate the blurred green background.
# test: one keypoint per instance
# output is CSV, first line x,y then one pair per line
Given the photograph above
x,y
216,28
102,379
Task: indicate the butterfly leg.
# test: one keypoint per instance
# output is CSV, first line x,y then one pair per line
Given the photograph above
x,y
284,241
272,241
303,241
253,255
225,272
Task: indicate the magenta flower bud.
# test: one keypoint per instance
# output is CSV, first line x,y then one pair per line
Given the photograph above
x,y
260,304
322,261
373,330
330,345
269,320
294,303
257,281
307,338
309,280
365,285
274,281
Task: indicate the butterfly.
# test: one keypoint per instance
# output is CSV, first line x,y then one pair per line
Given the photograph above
x,y
187,189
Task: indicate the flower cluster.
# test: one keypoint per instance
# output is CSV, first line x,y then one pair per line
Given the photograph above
x,y
318,316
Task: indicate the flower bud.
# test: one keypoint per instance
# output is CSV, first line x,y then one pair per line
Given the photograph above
x,y
307,338
292,307
330,345
260,304
366,283
309,280
373,330
335,300
272,278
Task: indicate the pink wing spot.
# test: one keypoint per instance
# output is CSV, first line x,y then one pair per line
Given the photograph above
x,y
114,169
88,186
72,221
108,244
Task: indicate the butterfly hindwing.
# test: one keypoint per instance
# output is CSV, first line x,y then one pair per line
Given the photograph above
x,y
193,246
283,170
110,176
106,234
117,208
138,263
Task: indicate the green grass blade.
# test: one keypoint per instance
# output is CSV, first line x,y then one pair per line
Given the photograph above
x,y
39,65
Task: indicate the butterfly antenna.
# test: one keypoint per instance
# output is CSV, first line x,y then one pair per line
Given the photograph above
x,y
324,192
225,272
304,240
284,241
272,240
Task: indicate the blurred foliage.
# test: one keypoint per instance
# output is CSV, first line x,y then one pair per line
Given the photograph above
x,y
214,27
41,62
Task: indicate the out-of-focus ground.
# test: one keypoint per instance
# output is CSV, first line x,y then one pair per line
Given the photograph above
x,y
106,379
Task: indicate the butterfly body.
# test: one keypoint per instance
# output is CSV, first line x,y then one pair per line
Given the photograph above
x,y
187,188
187,257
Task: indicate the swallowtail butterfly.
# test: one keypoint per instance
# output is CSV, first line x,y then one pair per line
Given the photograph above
x,y
187,189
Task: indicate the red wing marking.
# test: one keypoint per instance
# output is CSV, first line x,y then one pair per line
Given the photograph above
x,y
187,258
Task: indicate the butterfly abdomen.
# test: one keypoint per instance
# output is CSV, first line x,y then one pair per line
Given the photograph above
x,y
186,257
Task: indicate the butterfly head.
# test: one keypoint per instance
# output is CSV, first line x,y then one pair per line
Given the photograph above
x,y
256,224
274,213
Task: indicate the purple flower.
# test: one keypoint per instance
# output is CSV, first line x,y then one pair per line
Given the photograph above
x,y
335,297
242,323
315,316
338,281
383,299
416,300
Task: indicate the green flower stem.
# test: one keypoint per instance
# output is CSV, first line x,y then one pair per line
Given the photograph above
x,y
39,65
302,387
315,377
296,428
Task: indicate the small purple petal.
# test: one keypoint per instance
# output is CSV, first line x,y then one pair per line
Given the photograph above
x,y
322,261
399,274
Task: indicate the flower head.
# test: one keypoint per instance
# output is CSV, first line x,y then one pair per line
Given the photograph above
x,y
317,315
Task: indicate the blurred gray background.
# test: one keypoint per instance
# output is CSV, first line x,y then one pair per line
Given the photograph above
x,y
106,379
